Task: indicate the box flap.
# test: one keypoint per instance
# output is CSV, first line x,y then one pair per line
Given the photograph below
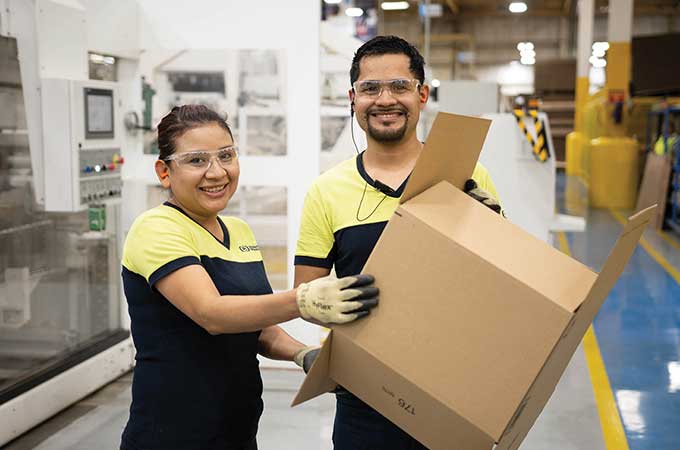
x,y
550,374
451,153
613,266
561,279
318,379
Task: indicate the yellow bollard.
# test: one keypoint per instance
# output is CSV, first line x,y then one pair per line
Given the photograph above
x,y
614,172
574,153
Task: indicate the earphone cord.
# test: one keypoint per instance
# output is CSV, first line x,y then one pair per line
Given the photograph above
x,y
351,129
361,202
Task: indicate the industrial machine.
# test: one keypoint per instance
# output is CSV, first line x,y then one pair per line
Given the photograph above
x,y
62,325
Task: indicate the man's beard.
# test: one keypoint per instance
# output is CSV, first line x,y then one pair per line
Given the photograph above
x,y
387,135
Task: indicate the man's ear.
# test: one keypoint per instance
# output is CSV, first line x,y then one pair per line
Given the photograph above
x,y
424,95
351,99
163,173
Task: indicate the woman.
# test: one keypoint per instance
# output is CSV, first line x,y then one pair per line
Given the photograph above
x,y
200,303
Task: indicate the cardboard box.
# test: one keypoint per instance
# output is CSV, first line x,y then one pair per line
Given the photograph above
x,y
654,187
477,319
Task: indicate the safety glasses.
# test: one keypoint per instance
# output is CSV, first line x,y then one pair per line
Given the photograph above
x,y
374,88
201,160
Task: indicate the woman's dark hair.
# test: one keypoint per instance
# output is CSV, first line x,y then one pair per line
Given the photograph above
x,y
182,119
389,45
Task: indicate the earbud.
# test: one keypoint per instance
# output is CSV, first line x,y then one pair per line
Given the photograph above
x,y
351,108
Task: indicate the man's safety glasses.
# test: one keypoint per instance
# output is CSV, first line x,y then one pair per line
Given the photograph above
x,y
374,88
201,160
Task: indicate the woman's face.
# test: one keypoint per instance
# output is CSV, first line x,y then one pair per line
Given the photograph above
x,y
202,193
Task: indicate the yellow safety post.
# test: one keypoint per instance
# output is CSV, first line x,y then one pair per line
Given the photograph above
x,y
613,157
575,140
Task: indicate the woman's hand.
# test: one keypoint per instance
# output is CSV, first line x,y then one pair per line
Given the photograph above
x,y
332,300
306,356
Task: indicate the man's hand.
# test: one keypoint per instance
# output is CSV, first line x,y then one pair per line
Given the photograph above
x,y
330,300
482,196
306,357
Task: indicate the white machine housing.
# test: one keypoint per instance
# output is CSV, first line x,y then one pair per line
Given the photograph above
x,y
82,143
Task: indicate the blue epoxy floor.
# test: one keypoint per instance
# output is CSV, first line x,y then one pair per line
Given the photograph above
x,y
638,331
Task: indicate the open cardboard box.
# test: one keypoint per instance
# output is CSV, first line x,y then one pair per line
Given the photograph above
x,y
477,319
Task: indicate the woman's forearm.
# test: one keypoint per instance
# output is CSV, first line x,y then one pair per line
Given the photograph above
x,y
242,314
275,343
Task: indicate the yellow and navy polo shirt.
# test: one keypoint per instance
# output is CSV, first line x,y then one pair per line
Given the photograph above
x,y
344,214
190,389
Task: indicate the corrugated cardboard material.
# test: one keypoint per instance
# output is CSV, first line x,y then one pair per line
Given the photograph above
x,y
654,187
477,319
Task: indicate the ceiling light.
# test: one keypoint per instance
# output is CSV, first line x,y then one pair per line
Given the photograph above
x,y
521,46
394,6
528,53
354,12
333,2
528,61
436,83
529,46
598,52
517,7
597,62
601,46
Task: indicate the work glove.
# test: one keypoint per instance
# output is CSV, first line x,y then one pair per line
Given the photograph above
x,y
482,196
332,300
306,357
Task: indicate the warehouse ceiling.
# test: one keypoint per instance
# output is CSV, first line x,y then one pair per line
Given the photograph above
x,y
551,7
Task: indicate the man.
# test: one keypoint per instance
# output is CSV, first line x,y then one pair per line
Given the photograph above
x,y
347,207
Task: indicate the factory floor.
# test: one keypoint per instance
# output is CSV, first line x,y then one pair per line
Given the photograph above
x,y
621,390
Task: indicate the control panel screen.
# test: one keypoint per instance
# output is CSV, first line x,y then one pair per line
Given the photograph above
x,y
98,113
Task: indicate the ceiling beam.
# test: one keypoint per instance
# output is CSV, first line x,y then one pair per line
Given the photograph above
x,y
496,12
453,6
450,38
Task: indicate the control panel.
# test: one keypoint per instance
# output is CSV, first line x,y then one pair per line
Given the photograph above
x,y
81,135
100,175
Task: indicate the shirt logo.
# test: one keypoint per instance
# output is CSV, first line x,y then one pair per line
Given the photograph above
x,y
249,248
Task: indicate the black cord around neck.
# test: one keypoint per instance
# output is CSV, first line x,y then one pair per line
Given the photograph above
x,y
361,202
363,194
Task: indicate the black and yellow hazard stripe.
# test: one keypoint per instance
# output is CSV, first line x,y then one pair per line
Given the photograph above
x,y
519,116
540,147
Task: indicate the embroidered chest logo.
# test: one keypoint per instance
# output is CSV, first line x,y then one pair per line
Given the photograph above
x,y
249,248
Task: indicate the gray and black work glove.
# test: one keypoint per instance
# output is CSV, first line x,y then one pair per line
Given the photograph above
x,y
306,357
482,196
332,300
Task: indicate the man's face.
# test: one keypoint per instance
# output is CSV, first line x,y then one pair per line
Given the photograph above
x,y
389,116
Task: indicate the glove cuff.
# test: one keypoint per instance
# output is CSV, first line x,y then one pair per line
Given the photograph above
x,y
301,299
299,357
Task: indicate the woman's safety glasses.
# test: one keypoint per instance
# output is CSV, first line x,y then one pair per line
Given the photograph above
x,y
201,160
374,88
